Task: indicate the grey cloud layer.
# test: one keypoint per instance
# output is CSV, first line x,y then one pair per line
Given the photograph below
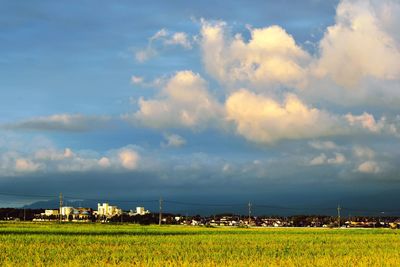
x,y
16,160
61,122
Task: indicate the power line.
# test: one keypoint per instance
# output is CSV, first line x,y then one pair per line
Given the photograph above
x,y
291,208
112,200
370,211
249,206
204,204
27,195
61,206
160,212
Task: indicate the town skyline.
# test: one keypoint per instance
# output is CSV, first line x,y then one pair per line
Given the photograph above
x,y
275,103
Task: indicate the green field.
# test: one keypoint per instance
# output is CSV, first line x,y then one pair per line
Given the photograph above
x,y
35,244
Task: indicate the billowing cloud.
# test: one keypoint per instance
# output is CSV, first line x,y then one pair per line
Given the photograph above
x,y
61,122
360,44
270,57
21,161
26,165
66,160
104,162
128,158
183,102
357,61
262,119
368,122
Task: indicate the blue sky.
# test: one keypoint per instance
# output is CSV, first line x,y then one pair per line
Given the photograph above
x,y
276,101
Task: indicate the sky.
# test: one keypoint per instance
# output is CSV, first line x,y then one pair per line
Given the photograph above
x,y
292,103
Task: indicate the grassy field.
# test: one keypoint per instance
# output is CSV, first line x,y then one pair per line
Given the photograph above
x,y
42,244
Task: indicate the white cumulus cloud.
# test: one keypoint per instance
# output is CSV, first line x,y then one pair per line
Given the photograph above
x,y
359,45
270,57
262,119
358,58
129,158
183,102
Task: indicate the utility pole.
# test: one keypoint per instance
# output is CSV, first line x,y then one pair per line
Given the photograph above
x,y
349,218
61,204
249,206
338,215
160,212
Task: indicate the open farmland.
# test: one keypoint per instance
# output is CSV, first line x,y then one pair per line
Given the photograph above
x,y
97,244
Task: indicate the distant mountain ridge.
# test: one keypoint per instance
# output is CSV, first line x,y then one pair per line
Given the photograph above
x,y
55,204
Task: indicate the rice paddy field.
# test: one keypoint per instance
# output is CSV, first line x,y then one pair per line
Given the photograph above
x,y
42,244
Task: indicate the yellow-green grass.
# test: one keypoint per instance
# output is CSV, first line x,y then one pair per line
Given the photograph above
x,y
48,244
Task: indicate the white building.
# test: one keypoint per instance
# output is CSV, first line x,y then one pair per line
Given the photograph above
x,y
107,210
51,213
66,211
139,211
